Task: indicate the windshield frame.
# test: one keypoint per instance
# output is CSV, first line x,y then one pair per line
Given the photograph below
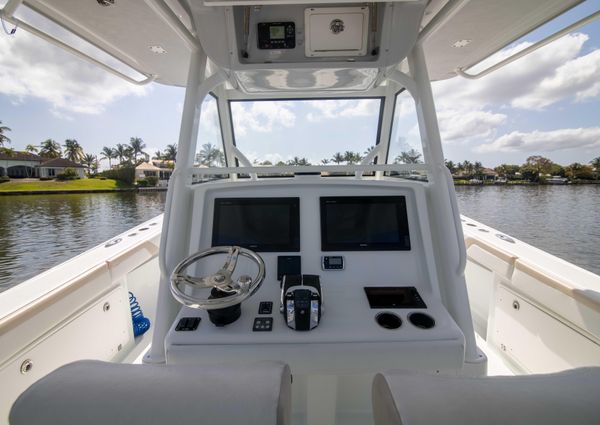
x,y
370,96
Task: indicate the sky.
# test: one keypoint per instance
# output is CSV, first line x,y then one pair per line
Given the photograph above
x,y
547,103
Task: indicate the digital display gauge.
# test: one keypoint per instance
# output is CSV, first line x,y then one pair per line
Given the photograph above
x,y
332,262
276,35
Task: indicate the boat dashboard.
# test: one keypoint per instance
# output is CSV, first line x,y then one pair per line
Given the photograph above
x,y
350,280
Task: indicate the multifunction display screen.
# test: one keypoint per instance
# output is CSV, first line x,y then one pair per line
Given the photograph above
x,y
366,223
259,224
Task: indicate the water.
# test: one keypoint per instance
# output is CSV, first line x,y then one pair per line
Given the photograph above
x,y
561,220
38,232
41,231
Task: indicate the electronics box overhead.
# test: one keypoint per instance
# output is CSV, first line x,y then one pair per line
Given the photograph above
x,y
336,31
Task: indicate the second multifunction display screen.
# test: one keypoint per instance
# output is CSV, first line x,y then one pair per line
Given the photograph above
x,y
348,223
364,223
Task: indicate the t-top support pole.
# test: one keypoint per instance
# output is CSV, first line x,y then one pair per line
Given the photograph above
x,y
447,229
175,232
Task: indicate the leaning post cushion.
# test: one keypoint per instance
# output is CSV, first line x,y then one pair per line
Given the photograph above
x,y
565,398
99,393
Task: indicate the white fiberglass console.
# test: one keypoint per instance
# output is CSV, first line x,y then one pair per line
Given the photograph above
x,y
402,324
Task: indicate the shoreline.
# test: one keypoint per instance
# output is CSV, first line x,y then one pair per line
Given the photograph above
x,y
63,191
80,191
584,183
163,189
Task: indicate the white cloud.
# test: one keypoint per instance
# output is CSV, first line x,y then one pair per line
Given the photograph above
x,y
209,117
30,67
328,109
261,116
578,79
464,125
545,141
524,83
554,73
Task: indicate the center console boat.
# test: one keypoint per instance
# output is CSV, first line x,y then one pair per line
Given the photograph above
x,y
289,293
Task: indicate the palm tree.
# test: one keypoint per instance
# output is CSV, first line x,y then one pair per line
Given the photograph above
x,y
298,161
95,166
352,157
467,168
409,157
130,155
31,149
3,137
478,170
210,155
89,160
338,158
50,149
108,153
73,150
325,161
171,153
138,146
120,152
158,155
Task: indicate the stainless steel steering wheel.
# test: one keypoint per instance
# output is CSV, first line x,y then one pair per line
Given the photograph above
x,y
244,287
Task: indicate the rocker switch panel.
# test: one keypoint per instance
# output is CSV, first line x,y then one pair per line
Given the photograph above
x,y
262,324
188,324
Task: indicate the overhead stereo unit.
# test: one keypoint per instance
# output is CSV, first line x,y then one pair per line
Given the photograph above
x,y
336,31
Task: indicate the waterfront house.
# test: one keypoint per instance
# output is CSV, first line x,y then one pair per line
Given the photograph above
x,y
52,167
16,164
489,175
159,169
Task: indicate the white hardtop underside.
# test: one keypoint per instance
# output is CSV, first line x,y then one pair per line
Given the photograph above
x,y
128,29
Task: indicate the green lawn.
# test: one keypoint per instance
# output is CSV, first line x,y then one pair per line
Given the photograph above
x,y
82,184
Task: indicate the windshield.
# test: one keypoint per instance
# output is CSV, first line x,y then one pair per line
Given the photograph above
x,y
405,141
306,132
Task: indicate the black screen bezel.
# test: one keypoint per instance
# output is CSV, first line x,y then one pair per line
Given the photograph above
x,y
402,217
294,221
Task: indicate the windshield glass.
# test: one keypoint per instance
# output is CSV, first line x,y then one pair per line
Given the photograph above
x,y
209,148
306,132
405,142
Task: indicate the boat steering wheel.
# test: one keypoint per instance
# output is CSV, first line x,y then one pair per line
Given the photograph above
x,y
237,291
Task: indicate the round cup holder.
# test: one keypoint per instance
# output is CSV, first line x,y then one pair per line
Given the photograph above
x,y
421,320
388,320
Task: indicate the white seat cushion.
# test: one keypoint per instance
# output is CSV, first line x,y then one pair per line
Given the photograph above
x,y
566,398
99,393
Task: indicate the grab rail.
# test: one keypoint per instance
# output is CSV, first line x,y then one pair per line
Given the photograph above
x,y
375,152
309,169
462,250
462,71
243,160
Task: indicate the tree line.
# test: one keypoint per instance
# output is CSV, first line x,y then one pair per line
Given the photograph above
x,y
131,154
411,156
534,169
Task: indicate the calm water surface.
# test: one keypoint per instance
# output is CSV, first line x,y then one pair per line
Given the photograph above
x,y
561,220
41,231
38,232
